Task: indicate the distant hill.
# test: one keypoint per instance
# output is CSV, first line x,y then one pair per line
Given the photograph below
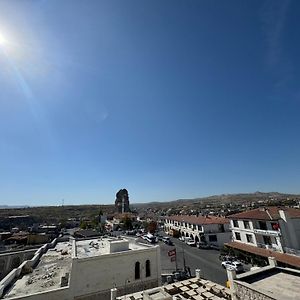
x,y
13,206
224,198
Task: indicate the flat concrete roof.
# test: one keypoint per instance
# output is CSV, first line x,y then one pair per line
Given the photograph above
x,y
54,264
278,282
101,246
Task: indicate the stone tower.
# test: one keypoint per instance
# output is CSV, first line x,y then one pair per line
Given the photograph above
x,y
122,201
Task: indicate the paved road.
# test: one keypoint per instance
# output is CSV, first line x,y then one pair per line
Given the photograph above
x,y
205,260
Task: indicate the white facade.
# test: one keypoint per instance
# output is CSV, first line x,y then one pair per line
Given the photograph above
x,y
210,229
88,269
257,233
281,234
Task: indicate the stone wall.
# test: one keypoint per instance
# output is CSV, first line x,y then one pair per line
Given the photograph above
x,y
243,292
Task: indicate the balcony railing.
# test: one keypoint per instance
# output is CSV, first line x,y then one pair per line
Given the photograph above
x,y
269,247
267,232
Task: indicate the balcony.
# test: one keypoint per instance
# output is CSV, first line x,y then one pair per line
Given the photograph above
x,y
269,247
267,232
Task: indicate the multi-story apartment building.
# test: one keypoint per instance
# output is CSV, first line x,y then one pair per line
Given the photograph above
x,y
273,228
210,229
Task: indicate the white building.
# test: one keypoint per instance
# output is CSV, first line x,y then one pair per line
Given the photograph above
x,y
84,269
273,228
210,229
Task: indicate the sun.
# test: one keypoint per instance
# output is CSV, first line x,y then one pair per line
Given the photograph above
x,y
3,40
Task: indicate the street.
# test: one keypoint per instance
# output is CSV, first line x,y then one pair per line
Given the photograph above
x,y
207,260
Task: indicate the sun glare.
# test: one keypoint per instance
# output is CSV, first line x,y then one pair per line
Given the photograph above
x,y
3,40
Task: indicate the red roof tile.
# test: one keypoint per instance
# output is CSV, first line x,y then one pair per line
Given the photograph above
x,y
201,220
266,213
291,260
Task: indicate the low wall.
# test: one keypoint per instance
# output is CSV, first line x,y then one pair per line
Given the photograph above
x,y
10,277
60,293
124,290
11,260
243,291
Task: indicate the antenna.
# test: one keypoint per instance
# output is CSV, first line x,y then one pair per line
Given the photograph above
x,y
62,202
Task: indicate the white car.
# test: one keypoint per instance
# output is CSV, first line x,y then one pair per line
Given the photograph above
x,y
182,238
191,243
236,265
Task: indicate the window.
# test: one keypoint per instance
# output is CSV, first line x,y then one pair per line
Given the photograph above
x,y
235,223
267,240
148,271
249,238
221,227
262,225
212,238
137,274
275,226
237,236
246,225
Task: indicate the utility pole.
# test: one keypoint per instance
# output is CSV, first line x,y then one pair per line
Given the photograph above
x,y
184,266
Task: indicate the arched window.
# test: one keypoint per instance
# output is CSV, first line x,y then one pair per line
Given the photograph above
x,y
137,274
148,271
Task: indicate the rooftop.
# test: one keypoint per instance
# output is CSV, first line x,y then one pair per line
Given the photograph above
x,y
53,265
266,213
279,283
200,220
103,246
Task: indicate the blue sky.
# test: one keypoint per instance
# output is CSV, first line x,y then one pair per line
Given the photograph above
x,y
169,99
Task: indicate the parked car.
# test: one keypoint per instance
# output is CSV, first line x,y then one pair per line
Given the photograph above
x,y
182,238
203,245
165,239
213,246
150,238
159,237
191,243
236,265
227,257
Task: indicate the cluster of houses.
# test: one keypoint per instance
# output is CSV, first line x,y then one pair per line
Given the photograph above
x,y
261,232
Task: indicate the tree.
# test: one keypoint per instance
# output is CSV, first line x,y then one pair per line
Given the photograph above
x,y
152,226
127,223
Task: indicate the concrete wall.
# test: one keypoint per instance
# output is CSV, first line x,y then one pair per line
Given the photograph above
x,y
290,228
9,261
61,294
105,295
90,275
222,237
16,272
